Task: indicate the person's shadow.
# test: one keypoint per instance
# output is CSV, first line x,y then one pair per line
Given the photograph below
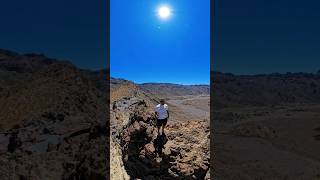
x,y
159,143
317,137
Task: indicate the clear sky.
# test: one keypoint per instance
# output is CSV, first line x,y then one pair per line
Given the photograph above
x,y
266,36
74,30
146,48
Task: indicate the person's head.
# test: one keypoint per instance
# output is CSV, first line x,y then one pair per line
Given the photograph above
x,y
162,101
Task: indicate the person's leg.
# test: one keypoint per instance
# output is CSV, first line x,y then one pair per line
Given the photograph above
x,y
158,125
163,128
164,125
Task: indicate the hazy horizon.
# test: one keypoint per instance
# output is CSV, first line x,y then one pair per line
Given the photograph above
x,y
174,82
162,82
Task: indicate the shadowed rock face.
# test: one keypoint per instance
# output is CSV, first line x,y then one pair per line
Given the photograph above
x,y
27,63
53,120
182,153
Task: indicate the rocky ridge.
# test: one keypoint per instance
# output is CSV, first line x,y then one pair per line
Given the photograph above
x,y
168,89
264,90
52,120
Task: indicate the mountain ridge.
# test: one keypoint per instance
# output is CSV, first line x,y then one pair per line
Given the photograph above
x,y
53,119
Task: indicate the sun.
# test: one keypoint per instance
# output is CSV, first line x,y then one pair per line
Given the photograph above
x,y
164,12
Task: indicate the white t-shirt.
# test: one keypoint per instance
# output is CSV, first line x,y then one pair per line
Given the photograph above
x,y
162,111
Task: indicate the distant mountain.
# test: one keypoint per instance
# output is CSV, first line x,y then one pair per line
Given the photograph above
x,y
123,88
24,63
166,89
244,90
265,89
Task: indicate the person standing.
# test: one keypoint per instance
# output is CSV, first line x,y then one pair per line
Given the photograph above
x,y
162,114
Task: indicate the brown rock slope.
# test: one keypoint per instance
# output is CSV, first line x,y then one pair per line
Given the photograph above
x,y
183,153
52,118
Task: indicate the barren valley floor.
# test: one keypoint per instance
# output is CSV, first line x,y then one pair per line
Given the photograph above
x,y
194,106
267,142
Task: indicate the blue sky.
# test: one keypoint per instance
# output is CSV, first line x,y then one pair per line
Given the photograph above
x,y
74,30
145,48
252,37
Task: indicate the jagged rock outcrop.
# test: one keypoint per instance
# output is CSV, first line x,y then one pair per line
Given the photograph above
x,y
117,169
182,153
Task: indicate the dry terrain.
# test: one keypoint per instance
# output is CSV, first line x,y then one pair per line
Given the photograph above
x,y
194,106
182,153
266,127
268,143
53,121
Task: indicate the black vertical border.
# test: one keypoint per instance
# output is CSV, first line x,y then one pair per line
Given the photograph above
x,y
107,151
212,153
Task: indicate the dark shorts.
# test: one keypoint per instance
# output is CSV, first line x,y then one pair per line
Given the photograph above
x,y
161,122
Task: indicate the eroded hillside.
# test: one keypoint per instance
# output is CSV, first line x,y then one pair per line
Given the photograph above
x,y
52,118
183,153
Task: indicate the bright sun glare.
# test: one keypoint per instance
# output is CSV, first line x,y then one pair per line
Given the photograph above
x,y
164,12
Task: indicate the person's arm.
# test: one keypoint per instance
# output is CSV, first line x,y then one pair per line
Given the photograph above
x,y
168,114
